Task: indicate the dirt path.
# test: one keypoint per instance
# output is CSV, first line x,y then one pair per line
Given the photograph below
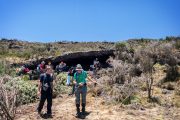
x,y
64,109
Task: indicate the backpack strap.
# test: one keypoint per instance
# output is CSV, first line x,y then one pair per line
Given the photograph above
x,y
44,77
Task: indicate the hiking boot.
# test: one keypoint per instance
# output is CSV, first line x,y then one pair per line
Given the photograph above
x,y
83,109
78,111
39,114
47,115
70,94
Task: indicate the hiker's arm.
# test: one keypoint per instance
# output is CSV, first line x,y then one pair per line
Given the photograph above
x,y
39,87
40,84
90,79
74,79
51,82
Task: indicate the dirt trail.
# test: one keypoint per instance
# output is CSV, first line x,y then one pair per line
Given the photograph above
x,y
64,109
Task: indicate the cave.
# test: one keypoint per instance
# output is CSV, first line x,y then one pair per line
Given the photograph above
x,y
72,59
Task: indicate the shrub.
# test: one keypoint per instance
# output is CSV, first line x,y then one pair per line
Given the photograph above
x,y
5,68
122,83
61,78
177,88
121,46
25,77
177,44
27,91
60,84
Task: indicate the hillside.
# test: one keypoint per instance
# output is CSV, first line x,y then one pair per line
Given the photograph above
x,y
17,51
141,81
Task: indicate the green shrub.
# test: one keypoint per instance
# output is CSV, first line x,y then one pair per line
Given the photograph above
x,y
120,46
5,68
1,68
25,77
177,44
60,84
61,78
27,91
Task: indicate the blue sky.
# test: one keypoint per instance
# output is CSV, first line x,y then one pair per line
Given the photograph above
x,y
88,20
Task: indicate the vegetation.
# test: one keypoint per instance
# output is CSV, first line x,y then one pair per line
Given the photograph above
x,y
29,50
143,71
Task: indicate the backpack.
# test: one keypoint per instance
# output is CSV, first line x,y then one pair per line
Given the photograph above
x,y
45,86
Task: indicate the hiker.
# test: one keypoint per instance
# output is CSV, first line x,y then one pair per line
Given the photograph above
x,y
41,67
96,64
93,70
69,81
23,70
80,89
45,90
61,67
51,67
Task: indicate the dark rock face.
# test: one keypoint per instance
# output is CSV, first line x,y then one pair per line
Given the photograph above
x,y
72,59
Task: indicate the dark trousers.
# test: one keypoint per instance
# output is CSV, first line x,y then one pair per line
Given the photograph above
x,y
80,91
45,95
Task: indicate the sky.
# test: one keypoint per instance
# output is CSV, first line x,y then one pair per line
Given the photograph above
x,y
88,20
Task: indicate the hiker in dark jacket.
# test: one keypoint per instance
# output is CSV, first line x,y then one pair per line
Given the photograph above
x,y
61,67
45,89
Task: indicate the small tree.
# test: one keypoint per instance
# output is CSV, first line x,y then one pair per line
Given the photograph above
x,y
147,62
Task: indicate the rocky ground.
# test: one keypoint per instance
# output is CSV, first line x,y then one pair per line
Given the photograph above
x,y
64,109
98,109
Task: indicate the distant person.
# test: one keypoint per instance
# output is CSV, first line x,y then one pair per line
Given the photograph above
x,y
61,67
41,67
23,70
45,90
96,64
95,67
93,70
70,76
80,89
49,65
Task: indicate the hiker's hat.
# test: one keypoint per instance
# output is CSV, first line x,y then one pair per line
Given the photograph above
x,y
79,67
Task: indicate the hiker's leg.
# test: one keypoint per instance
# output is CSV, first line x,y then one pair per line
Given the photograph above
x,y
84,92
49,103
77,94
41,103
78,110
